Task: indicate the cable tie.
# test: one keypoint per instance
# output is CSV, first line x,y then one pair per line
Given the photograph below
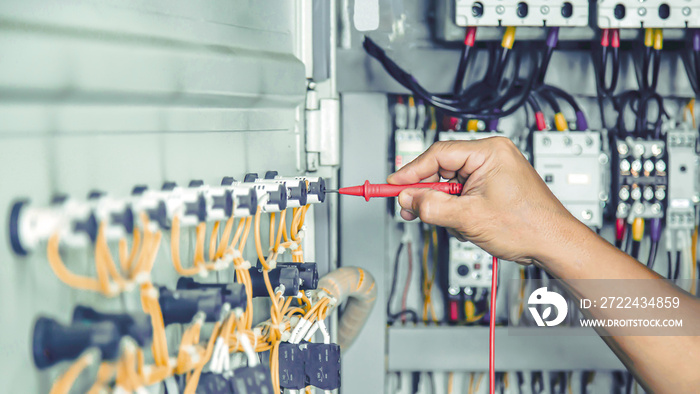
x,y
293,246
237,254
142,277
281,250
286,335
272,264
245,265
203,273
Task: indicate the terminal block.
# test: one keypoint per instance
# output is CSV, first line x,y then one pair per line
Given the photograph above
x,y
292,362
635,14
469,266
574,167
272,196
251,380
534,13
640,185
682,179
323,365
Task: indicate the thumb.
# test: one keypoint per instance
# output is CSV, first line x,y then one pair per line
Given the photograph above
x,y
432,206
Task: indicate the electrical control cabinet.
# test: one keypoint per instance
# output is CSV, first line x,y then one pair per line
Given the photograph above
x,y
640,187
575,168
469,266
535,13
682,179
634,14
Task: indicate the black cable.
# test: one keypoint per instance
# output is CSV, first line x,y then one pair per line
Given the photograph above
x,y
635,249
453,106
678,266
652,255
462,70
392,317
628,242
670,265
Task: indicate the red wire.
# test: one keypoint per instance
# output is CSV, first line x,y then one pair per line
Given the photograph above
x,y
492,327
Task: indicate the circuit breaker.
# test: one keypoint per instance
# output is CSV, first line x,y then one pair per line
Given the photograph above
x,y
574,167
408,145
640,186
631,14
536,13
469,266
682,179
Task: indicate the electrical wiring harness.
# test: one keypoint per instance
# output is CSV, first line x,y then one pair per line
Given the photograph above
x,y
126,365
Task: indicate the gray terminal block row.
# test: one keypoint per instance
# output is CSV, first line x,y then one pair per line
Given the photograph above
x,y
576,169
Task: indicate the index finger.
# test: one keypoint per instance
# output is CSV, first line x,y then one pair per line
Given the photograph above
x,y
460,157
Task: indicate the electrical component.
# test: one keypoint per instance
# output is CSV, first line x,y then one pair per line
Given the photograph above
x,y
308,274
682,179
469,266
408,144
252,380
53,342
181,305
641,180
292,362
648,14
232,293
574,167
287,278
323,365
272,196
296,188
137,326
536,13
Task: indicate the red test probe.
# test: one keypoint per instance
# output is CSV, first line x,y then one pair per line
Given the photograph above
x,y
369,190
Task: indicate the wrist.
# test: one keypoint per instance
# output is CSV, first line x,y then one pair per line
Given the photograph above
x,y
564,245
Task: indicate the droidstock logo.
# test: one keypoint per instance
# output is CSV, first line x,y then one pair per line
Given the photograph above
x,y
543,297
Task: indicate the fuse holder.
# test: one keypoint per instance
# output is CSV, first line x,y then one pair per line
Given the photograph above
x,y
53,342
232,293
286,276
137,326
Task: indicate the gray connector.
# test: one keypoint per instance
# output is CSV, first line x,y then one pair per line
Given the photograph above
x,y
533,13
682,179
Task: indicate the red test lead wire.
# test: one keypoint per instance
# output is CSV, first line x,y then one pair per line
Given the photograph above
x,y
369,190
492,327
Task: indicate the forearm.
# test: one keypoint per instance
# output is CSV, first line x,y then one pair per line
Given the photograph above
x,y
660,363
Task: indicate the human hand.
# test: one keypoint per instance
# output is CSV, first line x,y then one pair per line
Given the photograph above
x,y
505,207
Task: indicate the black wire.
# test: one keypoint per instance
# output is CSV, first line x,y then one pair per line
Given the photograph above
x,y
635,249
678,266
454,106
628,242
670,265
392,317
691,70
461,70
394,279
652,254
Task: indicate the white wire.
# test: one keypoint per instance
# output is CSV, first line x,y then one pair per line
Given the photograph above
x,y
248,349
